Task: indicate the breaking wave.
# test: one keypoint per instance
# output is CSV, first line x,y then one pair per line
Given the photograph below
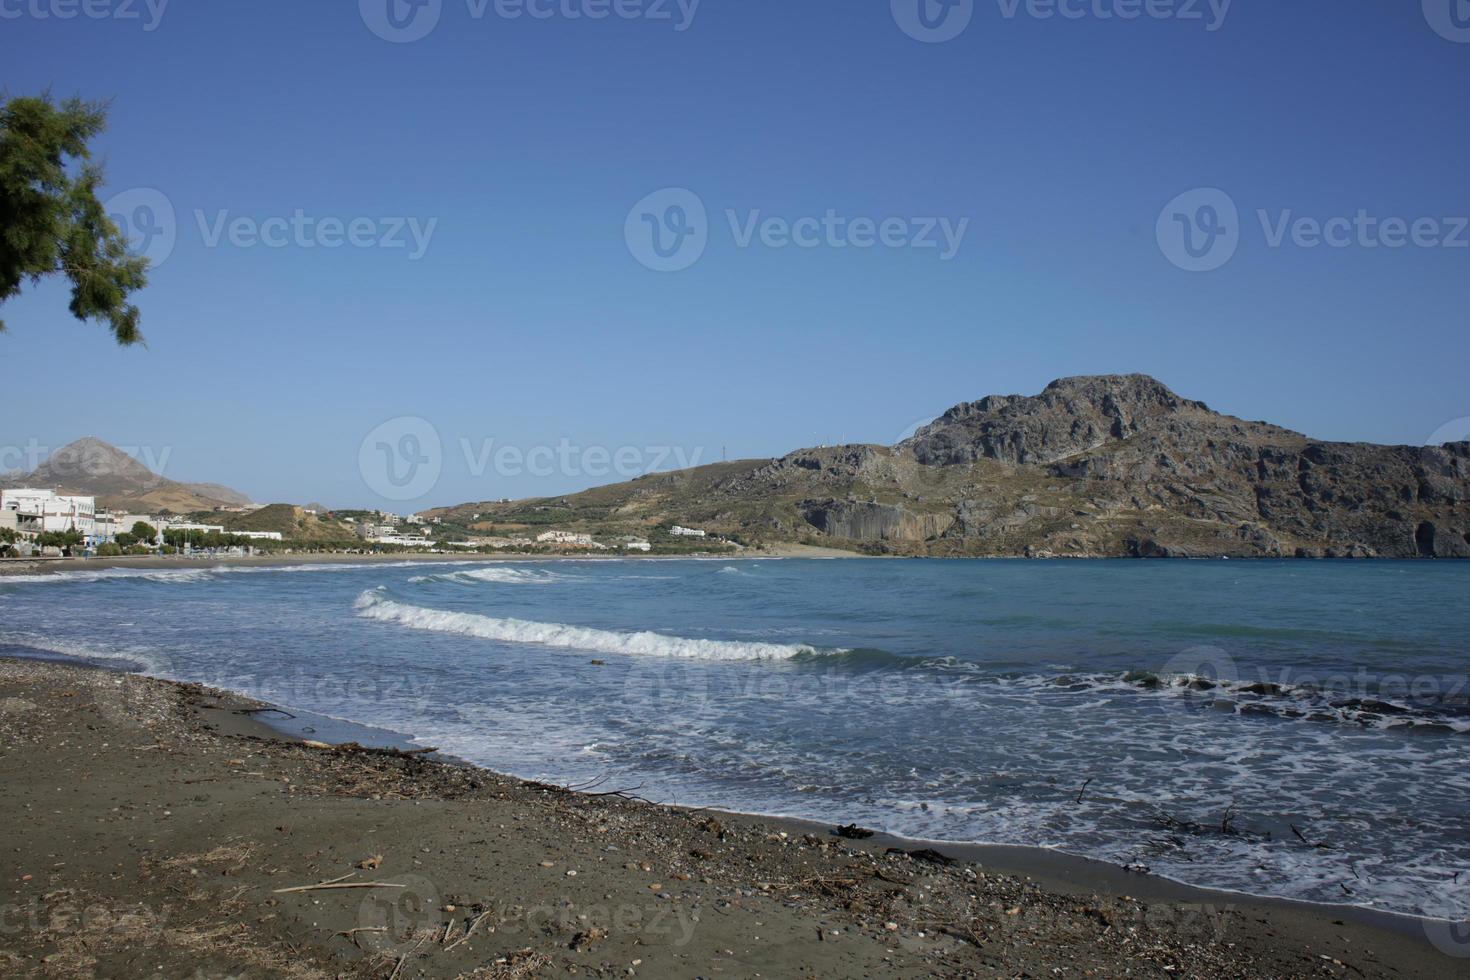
x,y
373,604
498,574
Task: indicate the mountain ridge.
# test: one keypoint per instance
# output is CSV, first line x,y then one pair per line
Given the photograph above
x,y
92,467
1093,466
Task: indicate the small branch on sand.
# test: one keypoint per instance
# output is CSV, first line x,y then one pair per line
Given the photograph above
x,y
404,958
261,711
622,794
336,883
471,930
589,785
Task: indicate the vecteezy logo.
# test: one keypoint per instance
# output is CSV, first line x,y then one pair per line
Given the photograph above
x,y
664,690
668,230
401,459
912,430
392,918
1199,664
1450,938
401,21
1449,18
1455,430
1199,230
933,21
146,216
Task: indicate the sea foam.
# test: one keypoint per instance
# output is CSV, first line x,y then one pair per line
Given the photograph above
x,y
205,573
373,604
498,574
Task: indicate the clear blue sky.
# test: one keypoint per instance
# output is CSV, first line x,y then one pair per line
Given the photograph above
x,y
528,320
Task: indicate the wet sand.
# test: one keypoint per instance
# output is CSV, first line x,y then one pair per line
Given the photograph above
x,y
153,830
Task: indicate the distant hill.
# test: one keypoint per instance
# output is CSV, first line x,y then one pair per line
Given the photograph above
x,y
1114,465
293,523
94,468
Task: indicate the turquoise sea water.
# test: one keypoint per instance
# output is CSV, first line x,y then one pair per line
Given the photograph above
x,y
1208,707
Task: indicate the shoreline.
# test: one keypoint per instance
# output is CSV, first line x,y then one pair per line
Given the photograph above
x,y
1040,889
51,566
1059,869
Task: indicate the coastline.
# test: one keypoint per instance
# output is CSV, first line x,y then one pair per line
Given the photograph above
x,y
49,566
821,905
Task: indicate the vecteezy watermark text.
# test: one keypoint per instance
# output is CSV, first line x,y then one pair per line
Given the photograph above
x,y
148,13
301,230
669,230
403,459
1200,230
147,219
405,21
26,458
568,459
937,21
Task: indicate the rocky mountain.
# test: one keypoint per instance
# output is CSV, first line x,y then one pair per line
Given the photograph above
x,y
118,481
1115,465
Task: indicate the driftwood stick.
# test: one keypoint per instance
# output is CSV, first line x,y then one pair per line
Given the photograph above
x,y
404,958
331,886
471,930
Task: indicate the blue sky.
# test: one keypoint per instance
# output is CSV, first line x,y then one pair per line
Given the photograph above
x,y
519,147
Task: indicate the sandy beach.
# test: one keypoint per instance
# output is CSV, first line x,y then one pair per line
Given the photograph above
x,y
162,830
47,566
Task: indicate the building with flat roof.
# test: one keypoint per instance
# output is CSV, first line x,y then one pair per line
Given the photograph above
x,y
53,512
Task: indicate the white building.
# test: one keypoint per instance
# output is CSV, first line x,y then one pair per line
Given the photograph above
x,y
404,541
637,546
220,529
53,512
686,532
201,528
565,537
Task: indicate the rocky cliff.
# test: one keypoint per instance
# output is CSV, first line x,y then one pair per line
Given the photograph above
x,y
1092,466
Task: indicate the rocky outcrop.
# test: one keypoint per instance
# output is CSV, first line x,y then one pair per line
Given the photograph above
x,y
871,521
1072,416
1114,465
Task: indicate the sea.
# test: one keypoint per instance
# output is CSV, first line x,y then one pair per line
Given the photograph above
x,y
1281,728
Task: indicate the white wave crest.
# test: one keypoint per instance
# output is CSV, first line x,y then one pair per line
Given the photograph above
x,y
499,574
205,573
374,605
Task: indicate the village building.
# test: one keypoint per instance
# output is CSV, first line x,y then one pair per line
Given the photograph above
x,y
52,512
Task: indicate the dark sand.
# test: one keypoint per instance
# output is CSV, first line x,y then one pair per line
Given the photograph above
x,y
149,827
